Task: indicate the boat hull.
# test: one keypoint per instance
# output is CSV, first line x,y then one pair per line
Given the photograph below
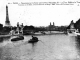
x,y
33,41
17,38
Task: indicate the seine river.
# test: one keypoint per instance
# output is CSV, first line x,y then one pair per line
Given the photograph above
x,y
50,47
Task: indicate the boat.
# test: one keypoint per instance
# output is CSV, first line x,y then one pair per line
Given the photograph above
x,y
73,32
17,38
33,40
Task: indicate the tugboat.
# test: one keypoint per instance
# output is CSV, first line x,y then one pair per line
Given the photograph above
x,y
33,41
18,36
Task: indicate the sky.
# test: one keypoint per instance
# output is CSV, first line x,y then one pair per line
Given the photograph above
x,y
39,15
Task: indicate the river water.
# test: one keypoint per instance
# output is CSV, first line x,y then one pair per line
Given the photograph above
x,y
50,47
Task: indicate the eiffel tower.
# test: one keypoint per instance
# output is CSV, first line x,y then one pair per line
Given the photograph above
x,y
7,22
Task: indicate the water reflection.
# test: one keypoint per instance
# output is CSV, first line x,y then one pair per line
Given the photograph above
x,y
54,47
